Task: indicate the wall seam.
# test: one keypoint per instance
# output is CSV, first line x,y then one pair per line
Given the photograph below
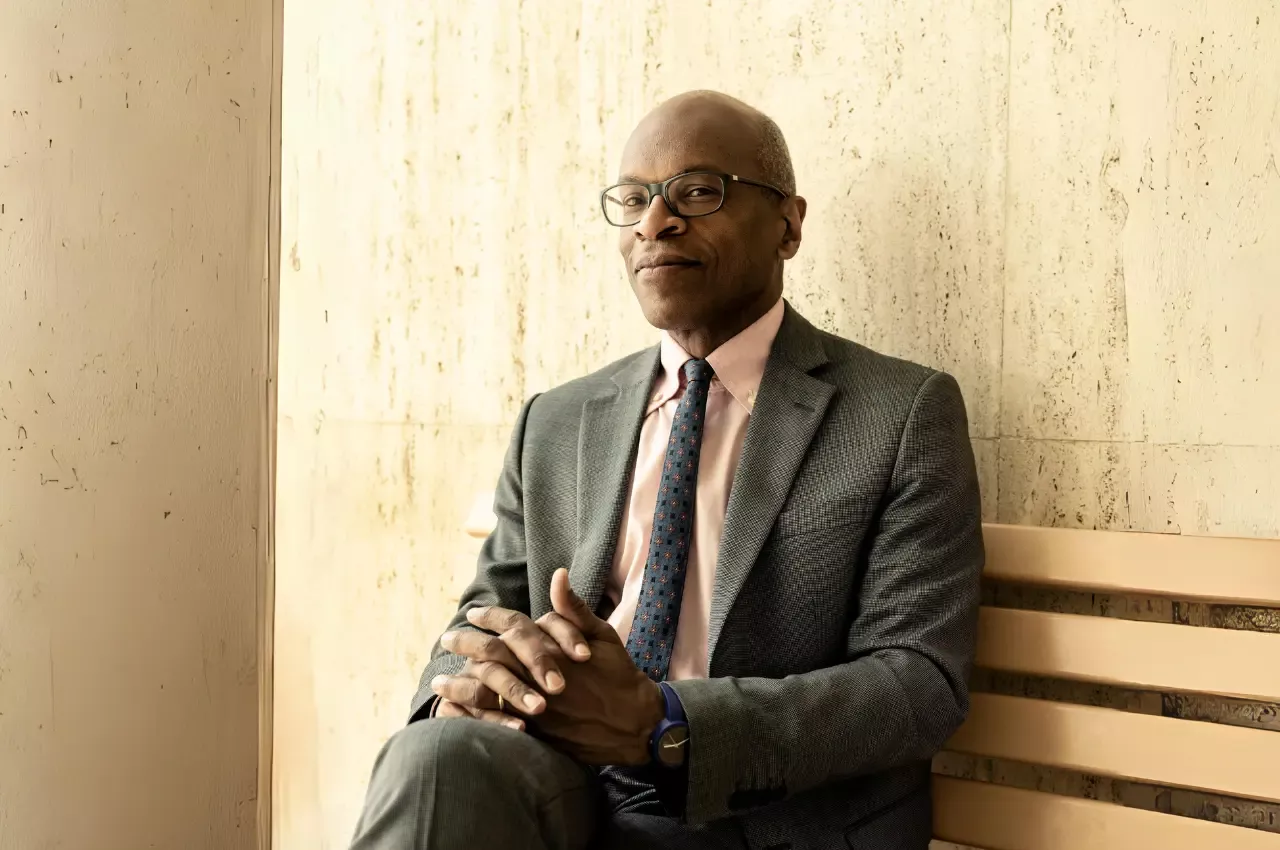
x,y
1004,253
267,476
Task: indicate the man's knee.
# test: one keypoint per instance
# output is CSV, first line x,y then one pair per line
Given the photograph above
x,y
455,745
430,776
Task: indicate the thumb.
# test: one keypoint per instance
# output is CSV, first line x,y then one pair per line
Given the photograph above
x,y
567,604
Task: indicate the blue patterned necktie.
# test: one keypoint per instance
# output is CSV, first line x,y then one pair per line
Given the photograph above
x,y
653,630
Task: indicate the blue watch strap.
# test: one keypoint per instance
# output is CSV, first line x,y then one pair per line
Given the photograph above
x,y
672,717
674,708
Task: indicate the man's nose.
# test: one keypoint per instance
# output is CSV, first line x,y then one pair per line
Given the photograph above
x,y
658,221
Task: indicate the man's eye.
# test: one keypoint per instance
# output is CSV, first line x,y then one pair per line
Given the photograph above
x,y
700,194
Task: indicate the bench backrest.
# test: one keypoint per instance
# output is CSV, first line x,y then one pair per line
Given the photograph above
x,y
1149,656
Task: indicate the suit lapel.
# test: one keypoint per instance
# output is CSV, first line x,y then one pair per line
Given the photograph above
x,y
607,441
788,410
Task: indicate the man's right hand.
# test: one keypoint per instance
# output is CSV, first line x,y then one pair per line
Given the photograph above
x,y
523,658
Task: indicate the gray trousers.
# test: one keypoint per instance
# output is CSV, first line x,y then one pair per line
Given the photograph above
x,y
446,784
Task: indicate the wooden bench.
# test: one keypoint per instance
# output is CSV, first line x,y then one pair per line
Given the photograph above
x,y
1168,752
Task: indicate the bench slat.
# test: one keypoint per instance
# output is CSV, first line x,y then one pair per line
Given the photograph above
x,y
998,818
1237,571
1151,656
1161,750
480,519
1232,570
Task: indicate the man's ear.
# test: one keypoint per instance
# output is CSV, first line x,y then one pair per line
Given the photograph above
x,y
793,210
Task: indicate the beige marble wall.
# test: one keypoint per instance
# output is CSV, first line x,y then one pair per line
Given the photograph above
x,y
1141,369
1141,354
1019,200
135,158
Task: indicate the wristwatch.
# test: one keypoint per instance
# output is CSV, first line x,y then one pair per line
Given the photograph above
x,y
669,744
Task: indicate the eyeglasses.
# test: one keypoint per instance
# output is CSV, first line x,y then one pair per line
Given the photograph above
x,y
688,195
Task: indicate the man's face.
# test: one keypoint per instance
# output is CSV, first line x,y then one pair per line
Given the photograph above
x,y
692,273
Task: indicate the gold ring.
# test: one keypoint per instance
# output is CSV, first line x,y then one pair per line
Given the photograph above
x,y
502,703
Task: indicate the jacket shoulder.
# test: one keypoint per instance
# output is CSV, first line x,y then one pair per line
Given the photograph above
x,y
603,381
852,364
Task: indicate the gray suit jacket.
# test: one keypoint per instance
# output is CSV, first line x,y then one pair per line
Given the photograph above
x,y
846,592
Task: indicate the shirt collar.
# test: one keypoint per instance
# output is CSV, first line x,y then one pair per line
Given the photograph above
x,y
738,363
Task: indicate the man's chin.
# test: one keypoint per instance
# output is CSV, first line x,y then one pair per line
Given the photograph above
x,y
666,314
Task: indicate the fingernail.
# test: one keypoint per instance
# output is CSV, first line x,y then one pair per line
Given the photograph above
x,y
532,702
513,724
477,611
448,637
582,649
555,681
438,682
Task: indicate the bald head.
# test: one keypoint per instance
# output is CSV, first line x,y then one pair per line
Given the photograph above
x,y
705,256
732,124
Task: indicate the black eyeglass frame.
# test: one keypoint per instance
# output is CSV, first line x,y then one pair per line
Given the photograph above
x,y
656,189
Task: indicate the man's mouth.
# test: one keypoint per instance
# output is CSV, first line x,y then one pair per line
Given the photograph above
x,y
666,262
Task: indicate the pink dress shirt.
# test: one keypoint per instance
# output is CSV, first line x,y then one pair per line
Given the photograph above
x,y
739,366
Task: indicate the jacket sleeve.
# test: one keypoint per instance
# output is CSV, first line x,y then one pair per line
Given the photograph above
x,y
502,576
903,690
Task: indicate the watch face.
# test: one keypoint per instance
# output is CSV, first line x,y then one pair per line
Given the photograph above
x,y
673,746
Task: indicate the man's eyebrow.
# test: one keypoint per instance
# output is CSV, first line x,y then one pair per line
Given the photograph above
x,y
631,178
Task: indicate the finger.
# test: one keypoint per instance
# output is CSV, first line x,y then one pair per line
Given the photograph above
x,y
567,604
478,646
566,635
539,654
451,709
519,696
500,718
467,691
533,649
496,619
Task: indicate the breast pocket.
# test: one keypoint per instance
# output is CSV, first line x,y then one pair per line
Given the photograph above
x,y
816,515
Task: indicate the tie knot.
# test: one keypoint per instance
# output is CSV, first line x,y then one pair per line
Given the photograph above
x,y
697,370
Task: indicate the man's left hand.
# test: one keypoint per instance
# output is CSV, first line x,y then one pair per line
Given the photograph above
x,y
608,709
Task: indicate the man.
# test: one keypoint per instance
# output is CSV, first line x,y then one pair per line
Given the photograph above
x,y
731,596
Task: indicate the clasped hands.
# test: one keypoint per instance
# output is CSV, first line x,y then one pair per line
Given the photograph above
x,y
568,676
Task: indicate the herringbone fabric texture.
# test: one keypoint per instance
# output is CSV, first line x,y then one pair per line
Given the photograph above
x,y
653,630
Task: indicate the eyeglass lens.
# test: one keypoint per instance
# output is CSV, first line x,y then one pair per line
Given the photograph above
x,y
690,194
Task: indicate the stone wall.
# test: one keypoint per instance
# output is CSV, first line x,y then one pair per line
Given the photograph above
x,y
135,164
1066,205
